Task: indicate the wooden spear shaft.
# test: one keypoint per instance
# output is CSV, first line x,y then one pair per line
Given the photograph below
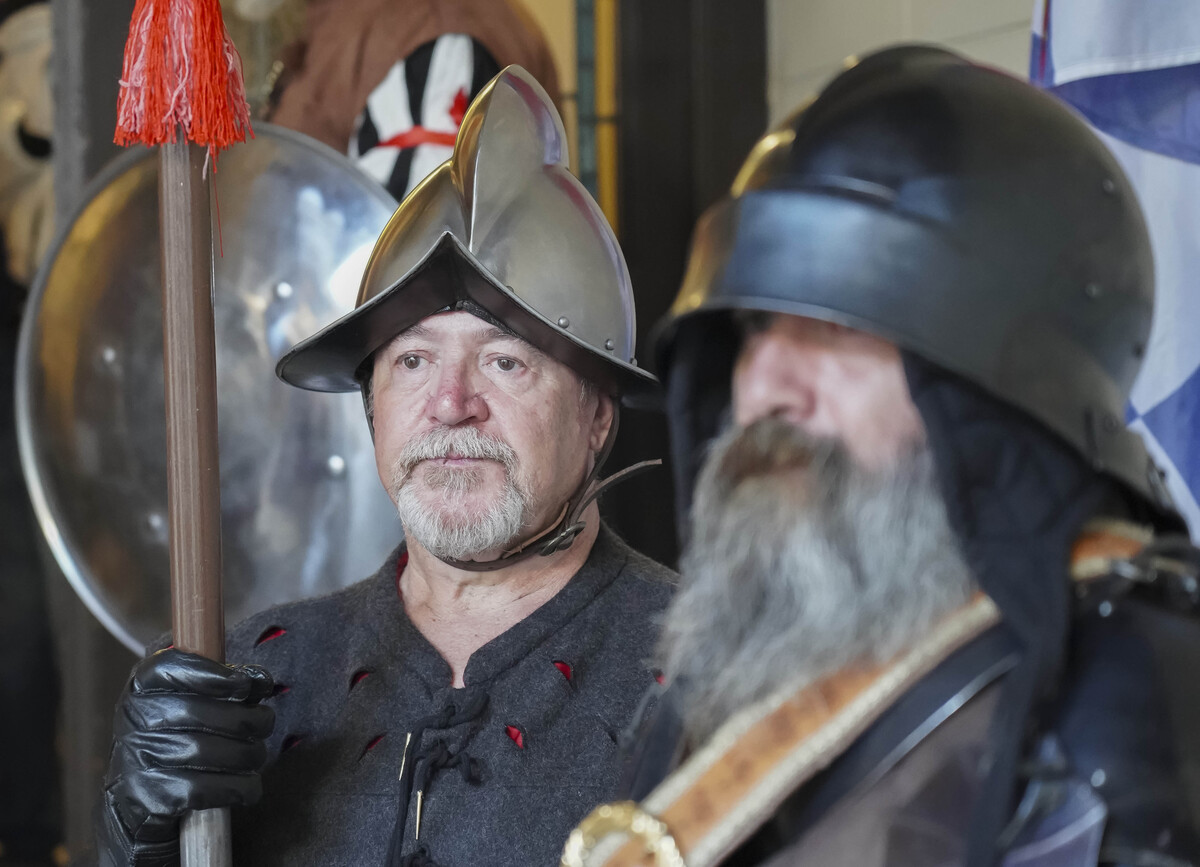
x,y
193,469
181,82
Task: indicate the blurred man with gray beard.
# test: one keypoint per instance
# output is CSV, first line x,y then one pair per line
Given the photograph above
x,y
935,606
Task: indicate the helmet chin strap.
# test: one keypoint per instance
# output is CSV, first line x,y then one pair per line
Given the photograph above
x,y
559,536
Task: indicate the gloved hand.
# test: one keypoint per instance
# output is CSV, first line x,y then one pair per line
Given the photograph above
x,y
188,735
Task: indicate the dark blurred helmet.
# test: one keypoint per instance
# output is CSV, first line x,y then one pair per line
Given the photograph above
x,y
949,208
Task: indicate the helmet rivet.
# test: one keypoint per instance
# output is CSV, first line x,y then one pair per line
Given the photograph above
x,y
608,344
1108,185
564,322
283,290
336,465
1092,290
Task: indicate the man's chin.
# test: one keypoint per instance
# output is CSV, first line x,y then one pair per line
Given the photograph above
x,y
473,496
456,516
455,541
481,517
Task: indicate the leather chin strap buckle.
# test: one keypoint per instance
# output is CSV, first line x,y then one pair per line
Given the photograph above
x,y
562,541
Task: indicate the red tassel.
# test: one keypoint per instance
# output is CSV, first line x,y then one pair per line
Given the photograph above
x,y
181,71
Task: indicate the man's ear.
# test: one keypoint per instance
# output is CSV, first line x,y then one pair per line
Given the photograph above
x,y
601,421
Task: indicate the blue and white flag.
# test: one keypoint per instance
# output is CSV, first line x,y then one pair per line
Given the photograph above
x,y
1132,67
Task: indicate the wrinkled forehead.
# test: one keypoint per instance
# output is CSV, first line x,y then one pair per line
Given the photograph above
x,y
477,325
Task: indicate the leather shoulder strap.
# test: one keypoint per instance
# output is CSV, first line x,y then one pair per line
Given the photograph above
x,y
724,791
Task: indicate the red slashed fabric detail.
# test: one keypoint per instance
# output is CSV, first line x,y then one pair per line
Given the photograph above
x,y
564,667
400,564
660,678
518,737
358,677
371,744
280,689
290,741
270,634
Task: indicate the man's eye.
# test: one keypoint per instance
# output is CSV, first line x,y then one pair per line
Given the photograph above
x,y
507,364
411,362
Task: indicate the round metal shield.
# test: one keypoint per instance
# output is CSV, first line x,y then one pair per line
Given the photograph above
x,y
302,510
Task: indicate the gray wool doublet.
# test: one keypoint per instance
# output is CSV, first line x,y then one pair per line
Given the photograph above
x,y
506,766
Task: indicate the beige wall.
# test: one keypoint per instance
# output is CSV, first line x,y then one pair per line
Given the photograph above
x,y
808,40
557,20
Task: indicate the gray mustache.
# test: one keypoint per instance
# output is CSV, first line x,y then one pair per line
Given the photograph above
x,y
466,442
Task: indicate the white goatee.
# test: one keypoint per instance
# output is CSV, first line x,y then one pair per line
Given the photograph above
x,y
450,530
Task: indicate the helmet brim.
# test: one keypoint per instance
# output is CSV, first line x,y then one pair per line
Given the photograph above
x,y
332,359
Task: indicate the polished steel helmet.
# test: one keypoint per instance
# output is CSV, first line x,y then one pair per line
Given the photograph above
x,y
952,209
302,512
503,226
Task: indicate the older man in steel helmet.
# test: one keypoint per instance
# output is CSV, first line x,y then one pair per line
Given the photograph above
x,y
462,706
935,607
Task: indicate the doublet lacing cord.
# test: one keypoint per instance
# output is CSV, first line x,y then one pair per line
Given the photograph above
x,y
419,763
438,757
419,858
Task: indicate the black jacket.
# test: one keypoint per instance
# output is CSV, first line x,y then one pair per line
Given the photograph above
x,y
366,716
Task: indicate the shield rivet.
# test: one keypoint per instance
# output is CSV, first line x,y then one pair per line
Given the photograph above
x,y
564,322
608,344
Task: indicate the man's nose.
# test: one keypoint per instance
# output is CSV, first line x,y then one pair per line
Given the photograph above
x,y
771,378
457,396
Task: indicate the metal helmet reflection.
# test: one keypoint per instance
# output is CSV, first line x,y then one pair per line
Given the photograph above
x,y
302,511
504,225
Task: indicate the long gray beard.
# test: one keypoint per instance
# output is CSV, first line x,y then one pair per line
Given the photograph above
x,y
801,562
449,532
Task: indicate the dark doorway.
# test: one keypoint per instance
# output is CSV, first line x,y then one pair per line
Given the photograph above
x,y
692,102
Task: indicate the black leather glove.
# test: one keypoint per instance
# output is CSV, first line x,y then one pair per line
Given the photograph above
x,y
189,735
